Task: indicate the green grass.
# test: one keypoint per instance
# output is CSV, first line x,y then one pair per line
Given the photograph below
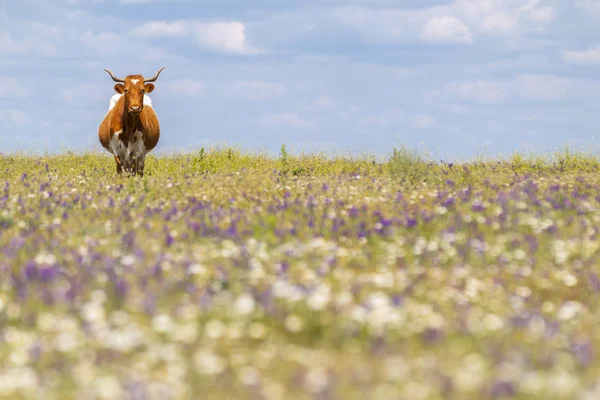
x,y
407,166
229,274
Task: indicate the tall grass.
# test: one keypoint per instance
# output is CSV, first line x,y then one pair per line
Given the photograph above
x,y
407,166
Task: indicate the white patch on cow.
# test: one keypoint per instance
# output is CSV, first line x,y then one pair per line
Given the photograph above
x,y
132,154
116,146
113,101
135,81
135,147
116,97
147,101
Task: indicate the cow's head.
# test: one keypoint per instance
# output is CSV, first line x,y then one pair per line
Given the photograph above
x,y
134,87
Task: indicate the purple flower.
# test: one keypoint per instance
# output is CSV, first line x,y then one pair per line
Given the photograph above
x,y
432,335
411,222
121,287
503,389
449,202
386,222
49,273
478,207
284,266
397,300
584,353
35,351
594,282
30,270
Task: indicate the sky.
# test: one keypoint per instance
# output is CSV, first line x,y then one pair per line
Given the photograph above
x,y
453,79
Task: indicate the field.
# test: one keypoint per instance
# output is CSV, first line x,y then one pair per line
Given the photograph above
x,y
228,275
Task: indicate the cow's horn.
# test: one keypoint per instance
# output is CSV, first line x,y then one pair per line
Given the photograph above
x,y
114,77
155,77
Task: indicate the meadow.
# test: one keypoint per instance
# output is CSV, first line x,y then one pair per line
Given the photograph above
x,y
224,274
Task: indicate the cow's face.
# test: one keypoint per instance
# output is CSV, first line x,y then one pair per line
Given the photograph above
x,y
134,89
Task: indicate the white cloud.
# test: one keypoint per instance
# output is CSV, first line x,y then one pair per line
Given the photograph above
x,y
398,117
530,87
16,117
383,25
10,87
244,90
74,2
226,37
9,45
543,15
43,29
348,113
84,92
387,117
504,16
252,90
160,29
590,6
483,91
458,109
544,87
287,119
323,103
460,20
446,30
137,1
186,87
590,56
112,44
107,43
28,45
422,121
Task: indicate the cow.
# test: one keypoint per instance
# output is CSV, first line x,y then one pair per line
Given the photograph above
x,y
130,129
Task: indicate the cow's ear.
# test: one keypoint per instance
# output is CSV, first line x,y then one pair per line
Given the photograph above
x,y
149,87
119,88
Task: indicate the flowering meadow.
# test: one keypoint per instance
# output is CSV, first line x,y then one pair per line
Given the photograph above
x,y
224,275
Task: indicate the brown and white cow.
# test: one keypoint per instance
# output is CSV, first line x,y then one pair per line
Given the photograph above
x,y
130,130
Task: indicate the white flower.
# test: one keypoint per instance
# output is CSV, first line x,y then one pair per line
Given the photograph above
x,y
215,329
569,310
248,375
316,380
128,260
208,363
45,259
294,323
244,304
162,323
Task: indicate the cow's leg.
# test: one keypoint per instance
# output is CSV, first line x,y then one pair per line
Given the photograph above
x,y
139,163
132,165
129,166
119,166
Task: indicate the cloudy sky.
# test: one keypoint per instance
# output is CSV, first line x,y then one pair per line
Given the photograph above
x,y
454,78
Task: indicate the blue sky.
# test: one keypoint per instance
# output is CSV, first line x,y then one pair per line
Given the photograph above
x,y
454,78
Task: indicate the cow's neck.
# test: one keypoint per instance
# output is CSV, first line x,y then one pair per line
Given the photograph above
x,y
130,121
